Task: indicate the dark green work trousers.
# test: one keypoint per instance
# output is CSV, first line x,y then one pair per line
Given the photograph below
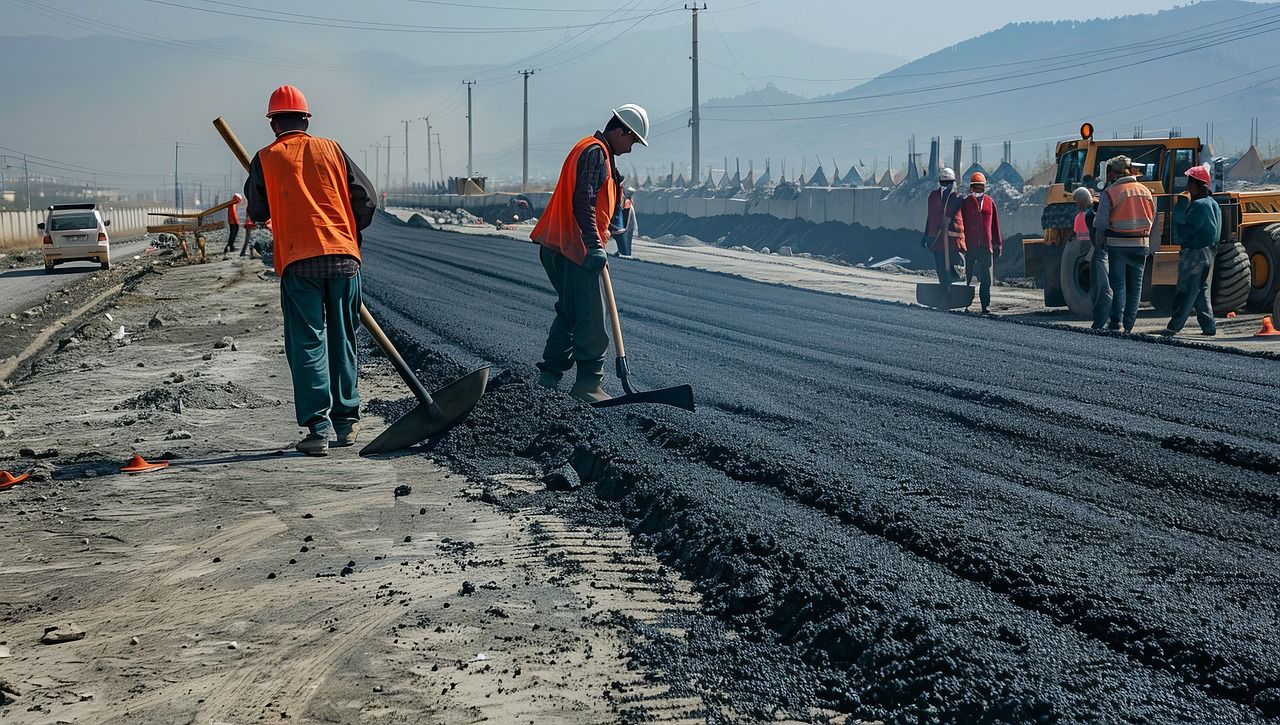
x,y
321,316
578,333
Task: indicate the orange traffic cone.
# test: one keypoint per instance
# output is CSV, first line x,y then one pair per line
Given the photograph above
x,y
1268,329
8,479
138,464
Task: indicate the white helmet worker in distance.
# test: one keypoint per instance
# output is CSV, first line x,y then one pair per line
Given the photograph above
x,y
635,119
947,174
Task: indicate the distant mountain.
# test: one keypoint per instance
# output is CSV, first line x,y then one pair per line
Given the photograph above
x,y
1033,83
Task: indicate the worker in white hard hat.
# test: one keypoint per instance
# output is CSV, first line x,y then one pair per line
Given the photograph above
x,y
944,228
572,233
1099,262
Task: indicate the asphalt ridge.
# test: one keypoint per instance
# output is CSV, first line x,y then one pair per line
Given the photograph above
x,y
946,518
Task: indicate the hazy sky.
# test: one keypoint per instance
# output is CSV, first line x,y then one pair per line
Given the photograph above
x,y
909,29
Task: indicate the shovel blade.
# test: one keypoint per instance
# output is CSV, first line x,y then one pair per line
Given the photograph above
x,y
944,297
453,402
680,396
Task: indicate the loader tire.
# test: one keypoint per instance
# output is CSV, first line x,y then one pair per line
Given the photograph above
x,y
1075,281
1263,247
1230,289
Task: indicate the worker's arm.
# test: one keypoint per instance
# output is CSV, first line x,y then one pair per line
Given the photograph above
x,y
255,193
363,195
1102,218
997,241
591,180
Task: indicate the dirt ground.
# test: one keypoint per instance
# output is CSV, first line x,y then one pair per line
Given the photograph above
x,y
248,583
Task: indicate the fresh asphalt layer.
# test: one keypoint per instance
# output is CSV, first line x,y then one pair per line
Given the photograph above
x,y
921,517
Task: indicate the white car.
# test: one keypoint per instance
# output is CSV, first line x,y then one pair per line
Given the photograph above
x,y
75,233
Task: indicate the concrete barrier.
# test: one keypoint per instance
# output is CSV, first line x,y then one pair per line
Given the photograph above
x,y
812,205
18,228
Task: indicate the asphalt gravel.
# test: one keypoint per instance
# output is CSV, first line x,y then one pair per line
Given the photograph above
x,y
929,517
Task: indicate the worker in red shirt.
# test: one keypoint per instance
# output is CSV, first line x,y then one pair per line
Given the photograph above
x,y
233,223
944,228
982,238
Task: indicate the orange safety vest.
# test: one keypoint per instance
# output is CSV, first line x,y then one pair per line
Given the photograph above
x,y
558,229
1133,210
306,180
1081,227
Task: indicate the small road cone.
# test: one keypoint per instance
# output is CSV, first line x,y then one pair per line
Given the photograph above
x,y
8,479
1268,329
138,464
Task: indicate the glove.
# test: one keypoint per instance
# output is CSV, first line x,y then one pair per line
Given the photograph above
x,y
925,241
996,250
596,260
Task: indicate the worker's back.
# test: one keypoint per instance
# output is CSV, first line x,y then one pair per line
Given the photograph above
x,y
306,185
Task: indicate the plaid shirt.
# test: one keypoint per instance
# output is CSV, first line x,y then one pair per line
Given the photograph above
x,y
326,266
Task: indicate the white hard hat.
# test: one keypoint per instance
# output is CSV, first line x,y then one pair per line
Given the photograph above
x,y
947,174
237,198
636,119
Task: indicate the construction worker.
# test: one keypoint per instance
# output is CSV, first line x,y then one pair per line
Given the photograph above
x,y
572,233
981,237
233,223
944,227
626,223
1099,280
1197,225
318,200
248,245
1126,213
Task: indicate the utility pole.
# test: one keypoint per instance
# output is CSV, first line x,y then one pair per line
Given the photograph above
x,y
387,188
695,122
469,84
406,156
177,195
26,173
441,155
377,162
428,122
524,184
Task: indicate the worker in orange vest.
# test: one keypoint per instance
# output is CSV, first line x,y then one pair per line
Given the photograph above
x,y
572,233
981,237
1126,213
319,200
233,223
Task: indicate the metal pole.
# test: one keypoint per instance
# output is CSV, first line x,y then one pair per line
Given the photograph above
x,y
177,195
26,172
377,162
470,170
441,155
428,119
695,122
406,156
387,188
524,184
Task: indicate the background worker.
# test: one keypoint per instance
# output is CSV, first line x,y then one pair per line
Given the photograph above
x,y
319,201
981,237
1125,216
1099,280
248,239
233,223
944,227
1197,226
572,233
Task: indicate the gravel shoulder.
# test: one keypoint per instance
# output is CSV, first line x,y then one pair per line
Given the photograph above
x,y
245,582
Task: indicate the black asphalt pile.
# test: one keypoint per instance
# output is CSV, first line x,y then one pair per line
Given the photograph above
x,y
850,243
924,517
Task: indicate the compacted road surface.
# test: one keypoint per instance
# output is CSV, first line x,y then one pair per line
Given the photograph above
x,y
921,517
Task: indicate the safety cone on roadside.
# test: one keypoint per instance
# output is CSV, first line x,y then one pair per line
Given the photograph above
x,y
8,479
138,464
1268,329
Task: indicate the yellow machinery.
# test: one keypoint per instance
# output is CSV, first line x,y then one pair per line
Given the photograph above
x,y
1247,268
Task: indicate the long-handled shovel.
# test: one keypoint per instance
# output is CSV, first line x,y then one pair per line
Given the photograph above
x,y
680,396
434,412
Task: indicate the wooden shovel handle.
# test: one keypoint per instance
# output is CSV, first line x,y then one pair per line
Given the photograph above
x,y
607,283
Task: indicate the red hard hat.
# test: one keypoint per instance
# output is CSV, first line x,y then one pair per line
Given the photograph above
x,y
287,99
1199,173
978,178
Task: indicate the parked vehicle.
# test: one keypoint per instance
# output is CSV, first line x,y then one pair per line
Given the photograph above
x,y
75,233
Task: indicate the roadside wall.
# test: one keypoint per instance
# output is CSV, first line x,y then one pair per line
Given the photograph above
x,y
538,199
18,228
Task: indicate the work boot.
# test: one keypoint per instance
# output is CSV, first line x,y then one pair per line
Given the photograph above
x,y
549,379
315,444
587,385
347,438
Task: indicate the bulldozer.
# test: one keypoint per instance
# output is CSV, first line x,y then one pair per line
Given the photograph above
x,y
1246,272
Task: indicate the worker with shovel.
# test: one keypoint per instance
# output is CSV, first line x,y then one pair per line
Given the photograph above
x,y
319,200
572,233
944,227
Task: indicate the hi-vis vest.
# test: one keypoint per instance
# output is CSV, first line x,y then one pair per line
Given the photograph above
x,y
311,213
1132,210
1081,227
558,229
